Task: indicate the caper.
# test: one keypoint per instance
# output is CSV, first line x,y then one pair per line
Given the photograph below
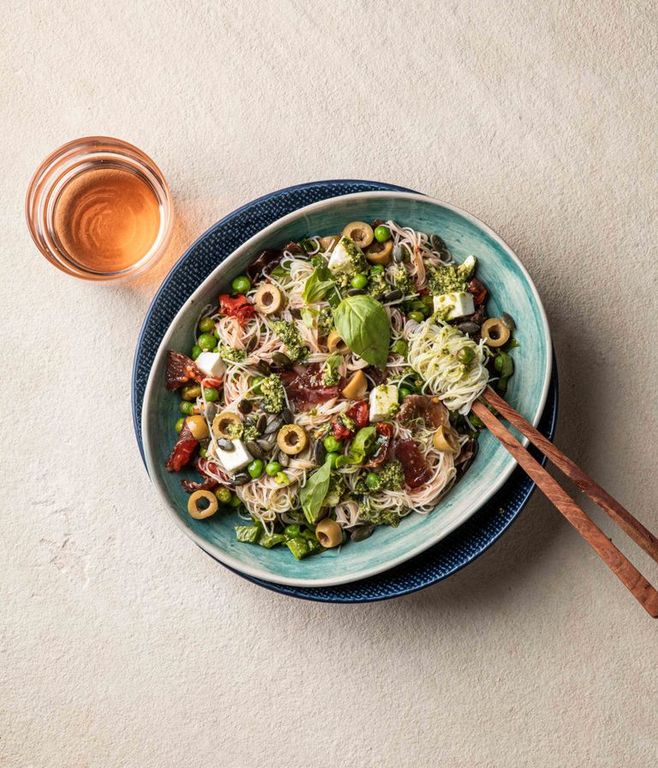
x,y
255,449
362,532
245,406
281,359
241,478
225,445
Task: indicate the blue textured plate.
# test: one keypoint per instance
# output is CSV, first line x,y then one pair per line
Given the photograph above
x,y
468,541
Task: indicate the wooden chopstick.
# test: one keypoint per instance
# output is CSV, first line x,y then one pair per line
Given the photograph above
x,y
634,528
627,573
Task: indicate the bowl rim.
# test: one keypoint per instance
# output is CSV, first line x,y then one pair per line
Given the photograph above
x,y
235,255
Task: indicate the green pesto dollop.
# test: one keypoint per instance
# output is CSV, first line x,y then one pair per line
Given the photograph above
x,y
274,396
289,334
231,355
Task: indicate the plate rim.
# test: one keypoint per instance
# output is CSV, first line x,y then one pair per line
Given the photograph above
x,y
255,572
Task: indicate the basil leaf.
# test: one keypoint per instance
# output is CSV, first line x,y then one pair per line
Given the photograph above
x,y
313,494
363,325
319,284
363,442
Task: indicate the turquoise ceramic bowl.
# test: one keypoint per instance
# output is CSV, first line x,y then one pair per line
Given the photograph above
x,y
511,290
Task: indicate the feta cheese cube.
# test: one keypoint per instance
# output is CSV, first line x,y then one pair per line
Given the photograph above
x,y
383,402
211,364
341,260
235,460
454,305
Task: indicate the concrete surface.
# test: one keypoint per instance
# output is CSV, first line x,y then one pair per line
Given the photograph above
x,y
124,645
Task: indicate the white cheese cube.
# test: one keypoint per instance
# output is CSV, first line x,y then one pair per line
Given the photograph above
x,y
454,305
383,402
211,364
340,259
235,460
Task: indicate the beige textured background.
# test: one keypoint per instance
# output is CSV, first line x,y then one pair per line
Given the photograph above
x,y
122,644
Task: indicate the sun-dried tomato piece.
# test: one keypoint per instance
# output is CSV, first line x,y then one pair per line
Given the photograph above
x,y
236,306
479,291
382,444
304,387
430,409
414,466
360,413
180,370
183,451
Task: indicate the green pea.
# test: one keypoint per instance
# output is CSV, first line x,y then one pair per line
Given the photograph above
x,y
179,424
281,478
241,284
203,451
382,233
235,500
372,481
428,301
333,458
211,394
223,494
359,281
206,325
378,269
196,351
207,342
417,316
273,468
400,347
256,467
186,407
404,392
465,355
256,381
331,444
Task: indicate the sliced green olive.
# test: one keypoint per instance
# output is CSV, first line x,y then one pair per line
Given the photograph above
x,y
268,299
329,533
360,232
199,511
292,439
356,387
445,440
198,427
494,332
222,422
328,242
335,343
380,253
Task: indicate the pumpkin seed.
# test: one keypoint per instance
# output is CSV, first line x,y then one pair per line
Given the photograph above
x,y
255,449
355,292
261,423
283,459
283,361
362,532
469,327
392,295
398,255
241,478
286,415
319,452
225,445
508,321
273,426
